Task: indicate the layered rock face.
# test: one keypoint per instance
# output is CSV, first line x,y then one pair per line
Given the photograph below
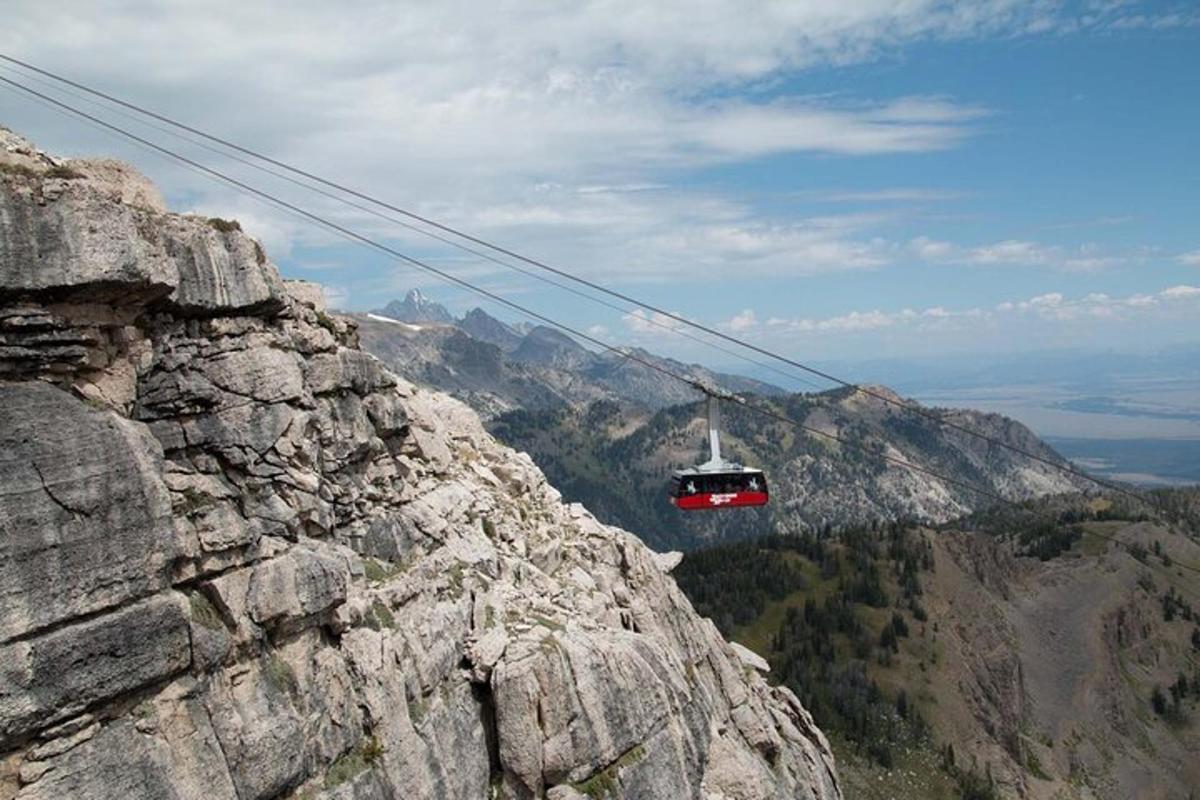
x,y
240,559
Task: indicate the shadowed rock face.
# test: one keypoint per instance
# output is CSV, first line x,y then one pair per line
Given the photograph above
x,y
238,558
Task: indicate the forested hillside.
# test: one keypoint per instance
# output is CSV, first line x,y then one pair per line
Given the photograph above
x,y
1032,657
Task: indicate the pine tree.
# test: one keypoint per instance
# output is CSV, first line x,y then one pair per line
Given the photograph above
x,y
887,639
1158,701
948,763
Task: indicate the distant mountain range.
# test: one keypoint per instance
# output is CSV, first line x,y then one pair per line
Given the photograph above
x,y
496,367
607,431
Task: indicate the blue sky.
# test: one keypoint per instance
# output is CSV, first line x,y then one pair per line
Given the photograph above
x,y
834,180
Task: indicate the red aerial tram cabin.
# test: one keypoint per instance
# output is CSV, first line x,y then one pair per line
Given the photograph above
x,y
717,483
694,489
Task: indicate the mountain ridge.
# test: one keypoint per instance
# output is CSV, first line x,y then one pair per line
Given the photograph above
x,y
617,460
608,431
416,308
496,367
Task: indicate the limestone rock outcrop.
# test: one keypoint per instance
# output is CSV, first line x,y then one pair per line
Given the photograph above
x,y
239,558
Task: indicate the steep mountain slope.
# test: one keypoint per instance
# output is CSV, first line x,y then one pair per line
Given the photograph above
x,y
239,558
1075,676
486,328
616,460
547,347
535,368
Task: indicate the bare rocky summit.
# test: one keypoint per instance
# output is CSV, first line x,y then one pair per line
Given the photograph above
x,y
239,558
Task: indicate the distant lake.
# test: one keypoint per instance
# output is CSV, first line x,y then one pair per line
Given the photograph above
x,y
1149,462
1142,412
1146,432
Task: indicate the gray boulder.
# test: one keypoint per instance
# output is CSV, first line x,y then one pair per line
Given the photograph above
x,y
55,676
85,519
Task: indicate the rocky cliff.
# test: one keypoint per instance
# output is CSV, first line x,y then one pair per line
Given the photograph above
x,y
239,558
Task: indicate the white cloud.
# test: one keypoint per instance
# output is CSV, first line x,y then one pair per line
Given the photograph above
x,y
743,321
908,125
1165,21
639,321
560,128
933,250
1010,252
628,187
1051,307
803,247
1090,263
1140,300
1016,252
1191,259
1051,300
858,321
539,87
